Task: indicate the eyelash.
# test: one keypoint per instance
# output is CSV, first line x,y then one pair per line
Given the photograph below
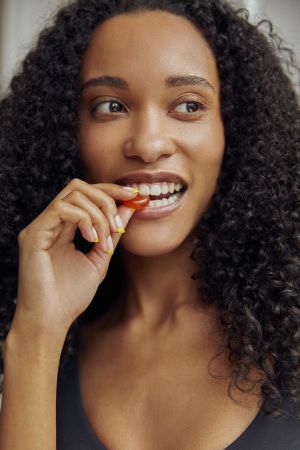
x,y
201,106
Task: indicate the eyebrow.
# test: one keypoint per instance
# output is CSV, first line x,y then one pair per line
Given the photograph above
x,y
186,80
171,81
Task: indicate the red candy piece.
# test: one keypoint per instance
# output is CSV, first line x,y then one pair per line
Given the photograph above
x,y
138,202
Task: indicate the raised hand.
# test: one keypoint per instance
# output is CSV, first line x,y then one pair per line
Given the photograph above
x,y
57,282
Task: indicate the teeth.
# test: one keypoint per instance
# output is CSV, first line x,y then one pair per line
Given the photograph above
x,y
163,201
157,188
164,188
171,187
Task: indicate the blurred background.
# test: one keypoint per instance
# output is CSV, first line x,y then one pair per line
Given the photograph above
x,y
21,21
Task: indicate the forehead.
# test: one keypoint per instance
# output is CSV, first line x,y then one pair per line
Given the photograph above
x,y
144,43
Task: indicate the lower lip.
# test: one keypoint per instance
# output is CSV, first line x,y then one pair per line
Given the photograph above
x,y
157,212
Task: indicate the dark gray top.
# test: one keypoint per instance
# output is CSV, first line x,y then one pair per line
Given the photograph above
x,y
74,431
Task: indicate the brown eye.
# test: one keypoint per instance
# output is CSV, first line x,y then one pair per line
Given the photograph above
x,y
190,107
107,107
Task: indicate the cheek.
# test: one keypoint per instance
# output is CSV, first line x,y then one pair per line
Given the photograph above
x,y
97,156
215,152
207,147
207,156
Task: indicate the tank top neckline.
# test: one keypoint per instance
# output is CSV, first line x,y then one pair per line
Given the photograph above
x,y
100,446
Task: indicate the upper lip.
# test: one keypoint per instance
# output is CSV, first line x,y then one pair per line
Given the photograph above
x,y
150,177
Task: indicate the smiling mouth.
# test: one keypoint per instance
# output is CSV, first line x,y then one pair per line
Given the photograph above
x,y
168,195
160,208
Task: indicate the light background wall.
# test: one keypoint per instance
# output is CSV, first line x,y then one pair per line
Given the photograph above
x,y
21,20
20,23
285,16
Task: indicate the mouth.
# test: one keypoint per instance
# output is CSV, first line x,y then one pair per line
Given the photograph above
x,y
157,200
160,207
164,188
148,177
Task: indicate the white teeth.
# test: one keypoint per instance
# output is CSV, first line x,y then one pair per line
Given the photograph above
x,y
157,188
164,188
163,201
144,189
171,187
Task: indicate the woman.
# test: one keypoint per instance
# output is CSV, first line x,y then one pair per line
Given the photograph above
x,y
183,331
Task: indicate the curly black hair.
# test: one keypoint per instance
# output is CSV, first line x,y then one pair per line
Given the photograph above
x,y
246,243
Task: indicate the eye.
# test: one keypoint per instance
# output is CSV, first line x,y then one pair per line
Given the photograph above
x,y
107,107
191,107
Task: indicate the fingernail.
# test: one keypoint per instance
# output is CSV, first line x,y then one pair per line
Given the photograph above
x,y
130,189
110,245
119,224
95,235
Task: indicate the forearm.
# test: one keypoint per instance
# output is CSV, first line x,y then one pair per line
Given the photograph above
x,y
28,413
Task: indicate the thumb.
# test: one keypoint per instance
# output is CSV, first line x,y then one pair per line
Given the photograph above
x,y
125,213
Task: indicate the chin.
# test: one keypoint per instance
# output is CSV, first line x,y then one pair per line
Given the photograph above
x,y
149,245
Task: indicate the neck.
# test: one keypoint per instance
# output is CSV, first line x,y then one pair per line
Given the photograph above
x,y
158,286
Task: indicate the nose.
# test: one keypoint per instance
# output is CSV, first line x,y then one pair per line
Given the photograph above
x,y
149,138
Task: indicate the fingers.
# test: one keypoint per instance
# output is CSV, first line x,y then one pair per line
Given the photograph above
x,y
90,190
59,219
125,214
100,220
87,207
102,195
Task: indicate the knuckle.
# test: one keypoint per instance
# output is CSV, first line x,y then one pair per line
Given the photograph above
x,y
75,183
77,195
57,204
106,229
114,210
112,207
101,222
21,236
86,217
101,226
98,217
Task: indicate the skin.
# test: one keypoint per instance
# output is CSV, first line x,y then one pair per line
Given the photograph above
x,y
154,128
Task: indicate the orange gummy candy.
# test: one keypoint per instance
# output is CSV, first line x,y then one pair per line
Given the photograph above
x,y
138,202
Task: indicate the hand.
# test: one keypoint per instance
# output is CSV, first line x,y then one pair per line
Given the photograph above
x,y
57,282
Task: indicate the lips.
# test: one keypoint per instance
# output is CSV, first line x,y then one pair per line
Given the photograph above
x,y
150,177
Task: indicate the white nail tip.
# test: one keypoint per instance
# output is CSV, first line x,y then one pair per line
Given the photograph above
x,y
110,244
118,221
95,234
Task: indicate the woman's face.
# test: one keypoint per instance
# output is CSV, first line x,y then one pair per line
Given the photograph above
x,y
144,123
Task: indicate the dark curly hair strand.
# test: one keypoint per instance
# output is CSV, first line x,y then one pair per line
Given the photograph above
x,y
247,242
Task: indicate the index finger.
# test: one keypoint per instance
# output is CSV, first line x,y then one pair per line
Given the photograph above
x,y
114,190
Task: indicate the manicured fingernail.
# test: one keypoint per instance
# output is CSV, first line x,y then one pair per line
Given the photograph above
x,y
95,235
119,224
130,189
110,245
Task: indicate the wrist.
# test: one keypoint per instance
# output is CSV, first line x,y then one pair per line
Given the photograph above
x,y
23,343
41,328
